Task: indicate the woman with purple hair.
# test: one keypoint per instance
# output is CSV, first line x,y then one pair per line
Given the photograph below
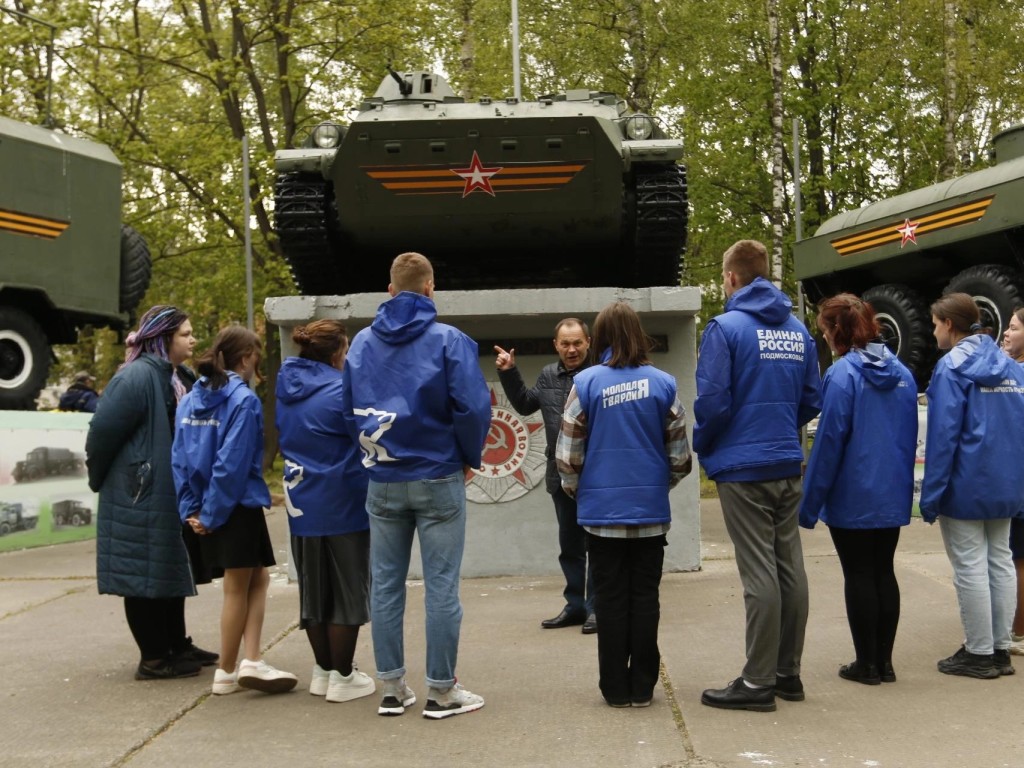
x,y
140,552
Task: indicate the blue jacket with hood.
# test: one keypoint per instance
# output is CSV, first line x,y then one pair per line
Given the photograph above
x,y
757,384
861,470
217,455
974,443
414,397
324,481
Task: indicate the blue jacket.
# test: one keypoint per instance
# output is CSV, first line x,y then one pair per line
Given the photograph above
x,y
861,470
324,481
757,384
626,474
414,397
974,443
218,452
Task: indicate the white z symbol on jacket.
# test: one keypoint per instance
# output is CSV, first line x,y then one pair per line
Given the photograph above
x,y
372,452
292,476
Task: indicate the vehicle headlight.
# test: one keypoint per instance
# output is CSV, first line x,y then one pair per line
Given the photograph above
x,y
639,127
327,135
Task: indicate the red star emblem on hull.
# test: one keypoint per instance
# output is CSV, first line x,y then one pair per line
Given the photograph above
x,y
476,176
908,230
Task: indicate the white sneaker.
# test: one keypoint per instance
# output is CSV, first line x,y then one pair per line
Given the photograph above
x,y
454,701
397,696
260,676
225,682
1016,644
355,686
319,681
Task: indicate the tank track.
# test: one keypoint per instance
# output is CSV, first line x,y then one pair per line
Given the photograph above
x,y
661,214
303,206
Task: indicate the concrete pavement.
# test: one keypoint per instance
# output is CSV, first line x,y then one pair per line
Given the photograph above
x,y
70,698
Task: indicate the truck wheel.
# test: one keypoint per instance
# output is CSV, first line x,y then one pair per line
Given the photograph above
x,y
136,268
5,528
76,519
905,322
995,289
24,360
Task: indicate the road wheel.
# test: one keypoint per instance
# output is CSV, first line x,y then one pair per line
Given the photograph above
x,y
136,268
24,360
995,289
905,322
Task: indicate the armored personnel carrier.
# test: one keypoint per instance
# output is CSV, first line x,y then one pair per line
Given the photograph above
x,y
568,190
900,254
65,258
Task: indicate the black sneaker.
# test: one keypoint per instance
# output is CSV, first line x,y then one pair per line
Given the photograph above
x,y
191,652
1001,661
968,664
739,695
789,687
169,669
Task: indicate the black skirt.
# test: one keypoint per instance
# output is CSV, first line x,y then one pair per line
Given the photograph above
x,y
242,542
334,578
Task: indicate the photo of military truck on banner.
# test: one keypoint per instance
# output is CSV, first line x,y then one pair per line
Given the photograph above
x,y
900,254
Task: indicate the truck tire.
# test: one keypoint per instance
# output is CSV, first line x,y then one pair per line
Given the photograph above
x,y
136,268
76,519
24,360
5,528
905,322
995,289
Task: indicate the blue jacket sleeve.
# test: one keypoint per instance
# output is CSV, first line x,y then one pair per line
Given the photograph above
x,y
469,397
829,444
187,502
712,410
810,400
946,403
231,467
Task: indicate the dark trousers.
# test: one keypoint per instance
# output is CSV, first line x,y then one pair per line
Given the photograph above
x,y
872,593
157,624
572,556
627,576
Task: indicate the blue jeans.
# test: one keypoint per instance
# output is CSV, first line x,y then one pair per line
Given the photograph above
x,y
985,580
435,510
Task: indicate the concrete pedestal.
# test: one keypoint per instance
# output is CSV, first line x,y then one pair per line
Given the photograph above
x,y
511,528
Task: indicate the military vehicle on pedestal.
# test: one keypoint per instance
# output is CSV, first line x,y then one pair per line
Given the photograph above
x,y
66,260
962,235
568,190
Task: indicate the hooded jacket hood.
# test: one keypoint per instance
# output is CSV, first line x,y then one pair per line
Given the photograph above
x,y
206,400
403,318
762,300
877,365
978,359
300,379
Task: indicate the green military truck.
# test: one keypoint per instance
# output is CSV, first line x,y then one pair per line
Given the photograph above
x,y
46,462
962,235
70,512
572,189
66,260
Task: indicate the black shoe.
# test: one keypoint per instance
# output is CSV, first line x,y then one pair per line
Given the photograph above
x,y
968,664
789,687
738,695
618,703
888,674
860,672
169,669
590,625
192,652
565,619
1001,661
